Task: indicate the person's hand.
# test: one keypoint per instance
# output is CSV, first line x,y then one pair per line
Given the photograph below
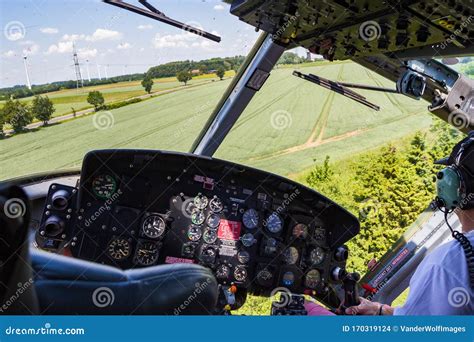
x,y
366,307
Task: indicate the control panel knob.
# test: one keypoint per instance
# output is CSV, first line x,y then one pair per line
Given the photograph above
x,y
59,199
342,253
338,273
53,226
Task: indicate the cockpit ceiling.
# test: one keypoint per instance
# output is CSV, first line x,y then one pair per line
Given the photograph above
x,y
345,29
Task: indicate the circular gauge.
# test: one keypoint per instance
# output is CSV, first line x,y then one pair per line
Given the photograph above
x,y
194,233
247,239
119,249
213,220
240,273
316,256
208,255
147,253
265,277
104,186
209,236
198,217
189,206
243,257
274,223
201,201
223,271
288,278
312,279
216,204
250,219
300,231
319,234
291,255
153,226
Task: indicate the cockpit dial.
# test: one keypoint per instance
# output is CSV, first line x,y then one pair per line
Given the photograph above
x,y
153,226
250,218
194,233
147,253
216,205
274,223
104,186
316,256
119,249
201,201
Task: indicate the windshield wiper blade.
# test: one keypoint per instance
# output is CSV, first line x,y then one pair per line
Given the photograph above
x,y
336,87
153,13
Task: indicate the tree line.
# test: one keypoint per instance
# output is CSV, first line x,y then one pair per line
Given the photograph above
x,y
387,189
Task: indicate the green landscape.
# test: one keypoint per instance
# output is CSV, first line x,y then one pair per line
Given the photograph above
x,y
378,165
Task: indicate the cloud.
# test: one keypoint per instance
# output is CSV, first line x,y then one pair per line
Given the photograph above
x,y
145,27
219,7
49,30
86,53
30,47
98,35
124,46
104,34
9,54
60,47
175,40
73,37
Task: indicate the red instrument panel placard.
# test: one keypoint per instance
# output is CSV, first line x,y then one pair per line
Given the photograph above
x,y
229,230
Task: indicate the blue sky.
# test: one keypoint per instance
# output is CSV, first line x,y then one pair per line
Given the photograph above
x,y
109,38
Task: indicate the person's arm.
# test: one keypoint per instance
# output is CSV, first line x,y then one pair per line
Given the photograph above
x,y
366,307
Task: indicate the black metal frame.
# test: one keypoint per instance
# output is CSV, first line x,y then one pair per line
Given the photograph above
x,y
154,13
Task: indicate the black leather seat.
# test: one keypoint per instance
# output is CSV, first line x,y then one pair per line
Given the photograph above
x,y
71,286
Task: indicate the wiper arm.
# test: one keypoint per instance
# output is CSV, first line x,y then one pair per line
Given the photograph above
x,y
154,13
336,87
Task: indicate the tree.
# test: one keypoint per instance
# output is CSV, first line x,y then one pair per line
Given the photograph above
x,y
147,83
96,99
290,58
220,72
17,114
42,108
184,76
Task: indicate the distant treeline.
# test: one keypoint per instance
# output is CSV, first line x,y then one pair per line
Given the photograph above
x,y
164,70
203,67
19,92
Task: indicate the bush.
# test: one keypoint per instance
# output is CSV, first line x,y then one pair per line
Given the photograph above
x,y
17,114
42,108
96,99
122,103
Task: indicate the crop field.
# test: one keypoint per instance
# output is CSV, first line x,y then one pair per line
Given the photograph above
x,y
66,99
289,124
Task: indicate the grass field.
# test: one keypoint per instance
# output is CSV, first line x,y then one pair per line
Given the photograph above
x,y
288,125
64,100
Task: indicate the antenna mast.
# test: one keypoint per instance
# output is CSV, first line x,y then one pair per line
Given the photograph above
x,y
77,67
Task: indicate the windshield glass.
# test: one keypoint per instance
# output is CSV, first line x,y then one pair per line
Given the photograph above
x,y
109,52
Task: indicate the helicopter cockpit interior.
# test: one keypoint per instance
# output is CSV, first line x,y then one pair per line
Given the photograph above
x,y
156,227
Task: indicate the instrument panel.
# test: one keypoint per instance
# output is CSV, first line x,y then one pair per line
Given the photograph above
x,y
255,230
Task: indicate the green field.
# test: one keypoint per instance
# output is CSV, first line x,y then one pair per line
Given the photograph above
x,y
64,100
289,123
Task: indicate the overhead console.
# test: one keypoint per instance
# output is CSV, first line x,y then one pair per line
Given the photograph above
x,y
256,230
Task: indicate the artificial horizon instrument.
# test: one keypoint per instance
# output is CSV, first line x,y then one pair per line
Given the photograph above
x,y
152,226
